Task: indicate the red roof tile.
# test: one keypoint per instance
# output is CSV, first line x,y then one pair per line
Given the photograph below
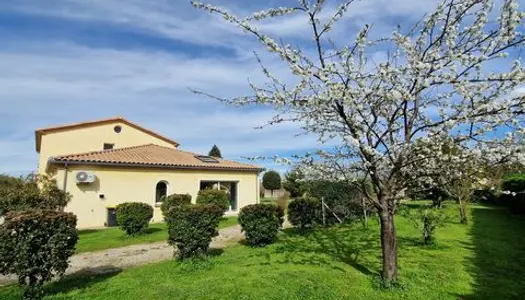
x,y
150,156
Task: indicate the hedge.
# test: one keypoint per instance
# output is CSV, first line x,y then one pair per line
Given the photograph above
x,y
261,223
174,200
192,227
134,217
343,199
36,245
217,197
304,212
513,194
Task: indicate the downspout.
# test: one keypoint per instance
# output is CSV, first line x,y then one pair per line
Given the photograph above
x,y
64,187
257,187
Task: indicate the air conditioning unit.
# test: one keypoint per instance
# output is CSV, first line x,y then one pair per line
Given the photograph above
x,y
85,177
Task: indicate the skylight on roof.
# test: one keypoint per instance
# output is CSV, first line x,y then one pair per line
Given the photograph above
x,y
206,159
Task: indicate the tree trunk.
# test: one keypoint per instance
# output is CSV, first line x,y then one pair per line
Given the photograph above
x,y
462,211
389,247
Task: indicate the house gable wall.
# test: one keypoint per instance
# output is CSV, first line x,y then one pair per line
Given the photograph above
x,y
92,138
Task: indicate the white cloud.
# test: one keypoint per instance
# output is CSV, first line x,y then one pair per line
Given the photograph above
x,y
47,81
43,88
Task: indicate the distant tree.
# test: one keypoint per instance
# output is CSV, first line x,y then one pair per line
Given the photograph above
x,y
215,152
272,181
294,182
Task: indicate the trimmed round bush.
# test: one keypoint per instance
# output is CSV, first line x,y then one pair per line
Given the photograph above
x,y
174,200
134,217
191,228
261,223
217,197
36,245
304,212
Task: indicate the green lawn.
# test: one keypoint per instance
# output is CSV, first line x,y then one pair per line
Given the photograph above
x,y
107,238
482,260
269,199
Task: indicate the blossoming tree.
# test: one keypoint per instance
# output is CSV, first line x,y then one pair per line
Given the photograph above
x,y
437,83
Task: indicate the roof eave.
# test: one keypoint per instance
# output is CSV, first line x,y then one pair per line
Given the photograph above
x,y
139,165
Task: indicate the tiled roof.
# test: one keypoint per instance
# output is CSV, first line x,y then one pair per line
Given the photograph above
x,y
41,131
150,156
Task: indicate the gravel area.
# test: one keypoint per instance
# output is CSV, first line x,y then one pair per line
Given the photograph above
x,y
112,260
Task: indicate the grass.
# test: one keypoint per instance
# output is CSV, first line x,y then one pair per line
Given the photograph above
x,y
107,238
481,260
269,199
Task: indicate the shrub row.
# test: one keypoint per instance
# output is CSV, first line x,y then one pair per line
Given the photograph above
x,y
261,223
512,194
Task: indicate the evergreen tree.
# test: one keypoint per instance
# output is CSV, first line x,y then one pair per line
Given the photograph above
x,y
215,152
272,181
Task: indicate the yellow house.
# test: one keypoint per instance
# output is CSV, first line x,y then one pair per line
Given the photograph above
x,y
107,162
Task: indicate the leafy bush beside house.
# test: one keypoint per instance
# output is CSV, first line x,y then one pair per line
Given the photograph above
x,y
217,197
192,227
134,217
19,194
174,200
261,223
36,245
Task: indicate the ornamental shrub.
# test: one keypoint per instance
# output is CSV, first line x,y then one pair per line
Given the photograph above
x,y
426,219
36,245
174,200
134,217
304,212
261,223
217,197
192,227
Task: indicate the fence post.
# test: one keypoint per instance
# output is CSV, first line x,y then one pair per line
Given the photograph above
x,y
323,210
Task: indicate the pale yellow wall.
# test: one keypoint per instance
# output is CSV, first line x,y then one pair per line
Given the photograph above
x,y
138,185
79,140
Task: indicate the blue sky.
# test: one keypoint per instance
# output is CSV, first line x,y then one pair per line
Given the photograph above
x,y
66,61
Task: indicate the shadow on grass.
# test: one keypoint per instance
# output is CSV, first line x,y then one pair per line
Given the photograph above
x,y
352,247
498,243
82,279
85,232
150,230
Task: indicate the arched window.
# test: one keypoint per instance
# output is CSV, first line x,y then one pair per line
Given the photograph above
x,y
161,191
